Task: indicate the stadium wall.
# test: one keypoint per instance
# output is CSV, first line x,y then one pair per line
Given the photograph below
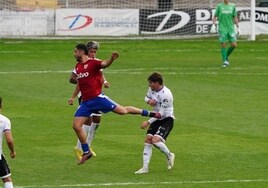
x,y
120,22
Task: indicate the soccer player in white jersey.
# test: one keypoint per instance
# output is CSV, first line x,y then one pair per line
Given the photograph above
x,y
161,99
93,122
5,129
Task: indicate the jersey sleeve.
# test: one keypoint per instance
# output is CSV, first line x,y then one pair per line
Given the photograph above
x,y
234,12
216,14
148,96
97,63
151,120
7,125
74,70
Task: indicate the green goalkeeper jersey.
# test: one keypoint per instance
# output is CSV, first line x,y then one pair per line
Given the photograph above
x,y
225,14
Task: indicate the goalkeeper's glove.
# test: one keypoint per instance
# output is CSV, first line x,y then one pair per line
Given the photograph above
x,y
213,29
237,30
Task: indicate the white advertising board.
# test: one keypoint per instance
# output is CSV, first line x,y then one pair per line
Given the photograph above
x,y
99,22
20,23
261,19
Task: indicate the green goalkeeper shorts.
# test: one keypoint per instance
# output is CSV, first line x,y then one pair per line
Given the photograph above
x,y
227,36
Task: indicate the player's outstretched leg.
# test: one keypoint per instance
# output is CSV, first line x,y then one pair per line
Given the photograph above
x,y
151,114
133,110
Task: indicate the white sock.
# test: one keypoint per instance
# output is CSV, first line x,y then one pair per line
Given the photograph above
x,y
92,129
8,184
163,148
86,130
147,154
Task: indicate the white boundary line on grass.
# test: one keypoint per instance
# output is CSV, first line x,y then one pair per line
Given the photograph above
x,y
203,71
146,183
139,50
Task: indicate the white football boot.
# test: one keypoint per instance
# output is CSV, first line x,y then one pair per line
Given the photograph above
x,y
142,171
225,64
170,161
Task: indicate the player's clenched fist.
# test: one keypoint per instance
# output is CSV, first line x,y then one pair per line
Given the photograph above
x,y
145,124
115,55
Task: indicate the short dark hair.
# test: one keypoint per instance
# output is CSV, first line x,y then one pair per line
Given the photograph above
x,y
156,77
0,102
82,47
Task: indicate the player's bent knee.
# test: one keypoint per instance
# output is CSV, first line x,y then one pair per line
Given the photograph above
x,y
148,140
156,139
234,45
7,179
76,127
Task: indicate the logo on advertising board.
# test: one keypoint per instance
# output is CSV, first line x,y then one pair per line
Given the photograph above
x,y
76,22
172,21
262,17
190,21
110,22
99,22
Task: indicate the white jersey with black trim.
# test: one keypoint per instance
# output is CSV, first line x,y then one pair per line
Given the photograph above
x,y
5,125
164,99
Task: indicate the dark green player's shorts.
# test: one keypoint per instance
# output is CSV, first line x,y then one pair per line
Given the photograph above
x,y
227,36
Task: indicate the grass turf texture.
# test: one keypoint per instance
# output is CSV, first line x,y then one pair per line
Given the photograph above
x,y
220,134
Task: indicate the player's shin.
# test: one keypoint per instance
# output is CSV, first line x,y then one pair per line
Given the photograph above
x,y
91,133
162,147
147,154
223,54
230,50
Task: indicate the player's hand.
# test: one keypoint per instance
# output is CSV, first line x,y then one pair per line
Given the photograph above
x,y
152,102
71,101
106,84
213,29
13,154
145,124
115,55
237,31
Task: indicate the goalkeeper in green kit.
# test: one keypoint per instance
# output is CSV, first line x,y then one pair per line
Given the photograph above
x,y
227,17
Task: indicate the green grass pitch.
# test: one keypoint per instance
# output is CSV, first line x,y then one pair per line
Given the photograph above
x,y
220,136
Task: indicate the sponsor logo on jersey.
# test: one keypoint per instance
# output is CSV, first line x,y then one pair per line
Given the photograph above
x,y
165,103
82,75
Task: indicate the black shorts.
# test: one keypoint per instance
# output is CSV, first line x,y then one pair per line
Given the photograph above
x,y
4,169
161,128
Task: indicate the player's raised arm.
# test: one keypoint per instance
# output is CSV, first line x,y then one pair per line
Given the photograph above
x,y
108,62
